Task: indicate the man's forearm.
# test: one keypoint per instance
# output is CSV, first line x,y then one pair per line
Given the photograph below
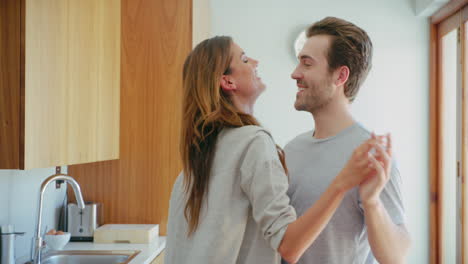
x,y
389,242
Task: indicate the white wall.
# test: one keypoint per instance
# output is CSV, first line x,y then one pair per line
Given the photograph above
x,y
201,19
19,198
394,98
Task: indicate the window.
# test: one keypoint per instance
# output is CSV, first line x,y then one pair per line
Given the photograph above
x,y
449,133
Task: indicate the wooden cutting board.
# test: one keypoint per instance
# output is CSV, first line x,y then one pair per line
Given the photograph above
x,y
133,234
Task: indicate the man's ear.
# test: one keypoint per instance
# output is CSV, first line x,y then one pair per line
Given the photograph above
x,y
343,75
227,83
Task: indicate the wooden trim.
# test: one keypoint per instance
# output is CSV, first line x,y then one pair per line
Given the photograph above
x,y
22,101
434,243
446,11
440,149
464,14
464,165
449,25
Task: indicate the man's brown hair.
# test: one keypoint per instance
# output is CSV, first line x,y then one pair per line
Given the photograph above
x,y
350,46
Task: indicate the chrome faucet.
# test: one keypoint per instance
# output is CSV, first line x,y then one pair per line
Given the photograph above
x,y
79,199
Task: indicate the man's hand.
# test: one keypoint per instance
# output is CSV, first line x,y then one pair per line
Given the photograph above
x,y
359,166
381,162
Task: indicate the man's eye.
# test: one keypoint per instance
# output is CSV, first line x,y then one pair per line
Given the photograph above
x,y
245,60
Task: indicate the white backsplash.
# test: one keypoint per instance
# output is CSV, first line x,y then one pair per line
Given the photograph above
x,y
19,200
5,182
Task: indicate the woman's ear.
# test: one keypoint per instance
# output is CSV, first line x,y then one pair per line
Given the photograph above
x,y
227,83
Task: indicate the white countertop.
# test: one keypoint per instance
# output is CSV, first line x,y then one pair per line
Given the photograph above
x,y
148,251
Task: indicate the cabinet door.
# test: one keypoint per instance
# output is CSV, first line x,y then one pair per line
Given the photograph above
x,y
10,44
71,81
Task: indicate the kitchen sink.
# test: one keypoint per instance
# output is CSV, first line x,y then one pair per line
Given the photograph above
x,y
89,257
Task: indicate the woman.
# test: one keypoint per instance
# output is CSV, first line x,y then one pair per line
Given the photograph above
x,y
229,205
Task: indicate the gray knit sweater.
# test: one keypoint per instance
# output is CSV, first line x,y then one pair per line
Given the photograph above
x,y
246,211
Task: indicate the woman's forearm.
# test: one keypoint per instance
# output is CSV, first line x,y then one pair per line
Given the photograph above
x,y
301,233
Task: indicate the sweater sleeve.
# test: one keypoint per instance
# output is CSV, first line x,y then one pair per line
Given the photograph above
x,y
265,183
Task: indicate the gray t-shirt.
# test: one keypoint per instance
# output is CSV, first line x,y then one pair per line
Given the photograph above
x,y
246,211
313,164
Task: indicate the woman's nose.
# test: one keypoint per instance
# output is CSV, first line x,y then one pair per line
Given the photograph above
x,y
255,62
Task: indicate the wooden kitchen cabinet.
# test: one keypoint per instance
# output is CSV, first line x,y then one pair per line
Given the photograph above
x,y
59,82
157,36
135,189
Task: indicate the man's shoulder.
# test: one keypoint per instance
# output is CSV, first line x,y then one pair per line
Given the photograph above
x,y
299,139
359,132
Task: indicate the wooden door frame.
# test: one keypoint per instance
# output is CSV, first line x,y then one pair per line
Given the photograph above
x,y
464,34
440,23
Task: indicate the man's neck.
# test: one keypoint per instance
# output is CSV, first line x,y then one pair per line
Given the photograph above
x,y
332,119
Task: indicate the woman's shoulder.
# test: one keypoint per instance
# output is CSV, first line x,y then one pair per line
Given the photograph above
x,y
246,137
247,132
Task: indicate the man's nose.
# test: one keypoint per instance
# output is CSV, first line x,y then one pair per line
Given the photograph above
x,y
296,75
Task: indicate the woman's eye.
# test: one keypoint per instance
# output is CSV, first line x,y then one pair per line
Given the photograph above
x,y
245,59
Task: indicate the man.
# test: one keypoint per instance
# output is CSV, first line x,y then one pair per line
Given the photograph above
x,y
368,226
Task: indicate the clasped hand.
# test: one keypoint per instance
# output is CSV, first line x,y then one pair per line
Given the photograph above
x,y
369,167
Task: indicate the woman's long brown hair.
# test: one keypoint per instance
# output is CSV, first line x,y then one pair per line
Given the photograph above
x,y
206,111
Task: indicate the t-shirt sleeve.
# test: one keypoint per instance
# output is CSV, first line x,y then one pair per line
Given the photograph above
x,y
265,183
391,196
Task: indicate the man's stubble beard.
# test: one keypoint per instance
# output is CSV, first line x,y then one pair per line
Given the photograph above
x,y
315,102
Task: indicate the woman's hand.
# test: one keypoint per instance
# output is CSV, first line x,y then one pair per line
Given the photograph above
x,y
370,189
359,166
